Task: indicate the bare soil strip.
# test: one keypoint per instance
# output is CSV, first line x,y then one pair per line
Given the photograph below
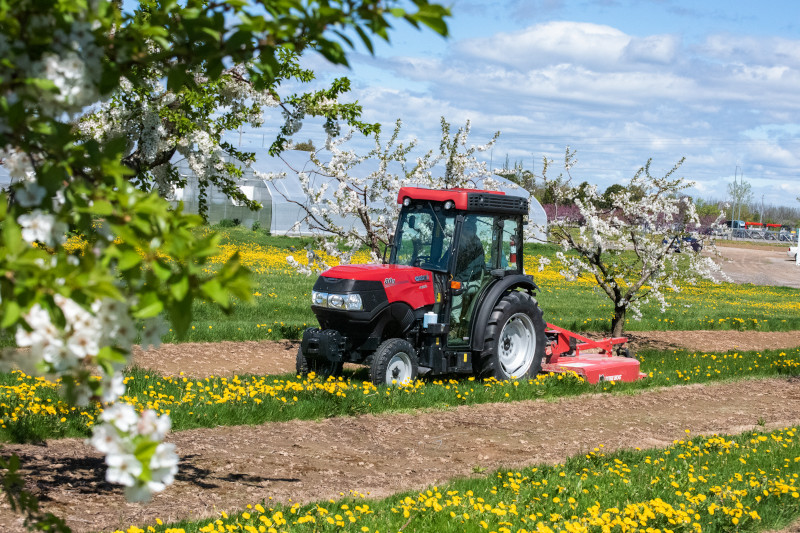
x,y
203,359
226,468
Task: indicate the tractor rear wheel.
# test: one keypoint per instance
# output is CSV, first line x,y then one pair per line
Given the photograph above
x,y
323,369
515,339
394,362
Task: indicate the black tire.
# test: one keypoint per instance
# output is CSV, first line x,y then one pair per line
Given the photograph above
x,y
323,369
624,352
515,339
394,362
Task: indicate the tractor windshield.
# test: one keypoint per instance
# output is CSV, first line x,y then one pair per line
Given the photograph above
x,y
424,235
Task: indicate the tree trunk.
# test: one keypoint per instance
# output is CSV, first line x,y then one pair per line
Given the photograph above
x,y
618,322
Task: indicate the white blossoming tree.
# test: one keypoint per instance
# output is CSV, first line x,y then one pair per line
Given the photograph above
x,y
344,185
74,313
157,123
629,241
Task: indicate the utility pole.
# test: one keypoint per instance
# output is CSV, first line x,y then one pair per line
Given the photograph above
x,y
733,205
742,200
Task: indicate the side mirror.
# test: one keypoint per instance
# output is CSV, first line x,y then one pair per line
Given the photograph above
x,y
388,247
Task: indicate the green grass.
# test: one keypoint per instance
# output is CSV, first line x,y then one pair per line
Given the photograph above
x,y
281,307
239,400
712,484
281,303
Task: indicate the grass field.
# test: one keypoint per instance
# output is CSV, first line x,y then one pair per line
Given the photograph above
x,y
710,484
32,408
281,306
720,483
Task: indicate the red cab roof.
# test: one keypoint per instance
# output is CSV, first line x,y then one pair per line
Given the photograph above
x,y
458,196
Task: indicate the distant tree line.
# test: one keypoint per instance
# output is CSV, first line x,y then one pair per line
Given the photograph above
x,y
740,204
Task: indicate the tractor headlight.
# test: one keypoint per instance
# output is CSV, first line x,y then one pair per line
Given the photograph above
x,y
353,302
319,298
348,302
336,301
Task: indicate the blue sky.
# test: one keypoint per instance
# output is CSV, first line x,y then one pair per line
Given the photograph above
x,y
620,81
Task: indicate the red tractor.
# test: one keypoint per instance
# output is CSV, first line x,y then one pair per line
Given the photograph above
x,y
453,299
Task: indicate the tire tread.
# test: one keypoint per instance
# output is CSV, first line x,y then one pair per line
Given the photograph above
x,y
488,363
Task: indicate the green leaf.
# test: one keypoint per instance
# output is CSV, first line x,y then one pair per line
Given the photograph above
x,y
11,314
161,270
214,290
433,17
180,288
101,208
129,259
149,305
108,357
181,316
12,235
145,449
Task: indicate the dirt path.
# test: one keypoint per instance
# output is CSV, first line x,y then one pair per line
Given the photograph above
x,y
270,357
760,266
380,455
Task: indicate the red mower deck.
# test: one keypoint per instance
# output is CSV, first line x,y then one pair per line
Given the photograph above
x,y
592,359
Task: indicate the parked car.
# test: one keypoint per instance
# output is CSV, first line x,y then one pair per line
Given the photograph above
x,y
686,242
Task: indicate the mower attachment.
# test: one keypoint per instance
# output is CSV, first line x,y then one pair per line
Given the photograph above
x,y
565,349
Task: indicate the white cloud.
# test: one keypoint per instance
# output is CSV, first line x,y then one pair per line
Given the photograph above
x,y
752,50
661,49
551,43
618,98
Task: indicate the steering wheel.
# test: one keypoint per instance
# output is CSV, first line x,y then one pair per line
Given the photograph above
x,y
421,259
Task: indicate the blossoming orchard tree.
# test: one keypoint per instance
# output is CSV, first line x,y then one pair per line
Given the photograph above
x,y
157,123
364,188
77,314
637,243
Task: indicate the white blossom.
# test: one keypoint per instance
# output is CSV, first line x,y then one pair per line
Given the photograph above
x,y
112,387
37,226
123,468
30,194
153,425
122,416
105,438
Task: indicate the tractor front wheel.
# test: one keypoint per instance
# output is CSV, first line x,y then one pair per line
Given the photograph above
x,y
323,368
515,339
394,362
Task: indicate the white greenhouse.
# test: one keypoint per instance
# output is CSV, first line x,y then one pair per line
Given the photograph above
x,y
281,198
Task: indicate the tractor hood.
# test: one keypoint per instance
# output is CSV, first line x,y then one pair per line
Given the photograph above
x,y
400,283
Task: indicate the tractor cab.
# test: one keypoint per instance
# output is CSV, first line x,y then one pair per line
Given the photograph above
x,y
464,249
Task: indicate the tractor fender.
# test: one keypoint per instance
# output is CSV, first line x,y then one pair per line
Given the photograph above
x,y
490,297
399,313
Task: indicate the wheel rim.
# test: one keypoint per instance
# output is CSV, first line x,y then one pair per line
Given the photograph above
x,y
517,345
399,368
